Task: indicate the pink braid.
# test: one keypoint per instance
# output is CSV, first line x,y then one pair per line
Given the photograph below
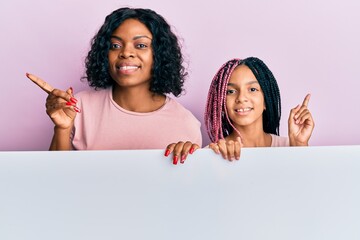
x,y
216,101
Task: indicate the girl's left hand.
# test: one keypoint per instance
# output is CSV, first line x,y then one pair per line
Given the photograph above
x,y
301,124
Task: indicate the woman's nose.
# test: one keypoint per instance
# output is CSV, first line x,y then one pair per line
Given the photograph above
x,y
126,52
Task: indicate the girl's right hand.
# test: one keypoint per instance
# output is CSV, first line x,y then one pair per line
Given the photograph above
x,y
60,105
229,149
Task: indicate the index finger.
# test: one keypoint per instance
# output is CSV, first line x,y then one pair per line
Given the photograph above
x,y
41,83
306,100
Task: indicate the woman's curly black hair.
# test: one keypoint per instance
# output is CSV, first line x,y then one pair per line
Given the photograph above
x,y
168,73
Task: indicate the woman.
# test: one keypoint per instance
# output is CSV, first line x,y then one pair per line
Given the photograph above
x,y
134,61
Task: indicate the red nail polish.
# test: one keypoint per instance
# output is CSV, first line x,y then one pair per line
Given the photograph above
x,y
167,152
182,160
69,103
74,100
191,151
78,110
175,159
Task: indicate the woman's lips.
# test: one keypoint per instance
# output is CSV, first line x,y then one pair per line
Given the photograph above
x,y
127,69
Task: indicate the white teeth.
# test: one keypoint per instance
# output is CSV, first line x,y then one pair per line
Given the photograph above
x,y
242,109
128,67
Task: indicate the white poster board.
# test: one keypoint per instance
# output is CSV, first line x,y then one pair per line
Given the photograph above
x,y
271,193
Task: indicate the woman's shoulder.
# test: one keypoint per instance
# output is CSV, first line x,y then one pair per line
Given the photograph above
x,y
92,93
278,141
178,109
174,105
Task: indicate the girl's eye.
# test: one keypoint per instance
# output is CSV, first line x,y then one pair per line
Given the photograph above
x,y
115,46
253,89
230,91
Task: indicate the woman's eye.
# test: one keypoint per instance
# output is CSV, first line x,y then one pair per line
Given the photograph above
x,y
141,45
115,46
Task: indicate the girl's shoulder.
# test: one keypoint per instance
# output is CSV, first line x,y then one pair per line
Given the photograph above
x,y
278,141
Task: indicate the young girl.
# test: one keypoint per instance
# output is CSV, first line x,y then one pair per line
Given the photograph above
x,y
243,110
135,59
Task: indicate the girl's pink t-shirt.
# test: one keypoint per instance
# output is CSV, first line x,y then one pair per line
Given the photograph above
x,y
278,141
104,125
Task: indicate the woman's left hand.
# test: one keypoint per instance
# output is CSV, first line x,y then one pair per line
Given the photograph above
x,y
301,124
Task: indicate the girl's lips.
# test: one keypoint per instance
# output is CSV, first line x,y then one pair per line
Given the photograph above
x,y
243,111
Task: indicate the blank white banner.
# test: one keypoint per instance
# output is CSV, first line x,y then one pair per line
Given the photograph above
x,y
271,193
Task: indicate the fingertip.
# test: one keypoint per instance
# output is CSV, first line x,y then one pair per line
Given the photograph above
x,y
78,110
192,149
183,158
175,159
167,152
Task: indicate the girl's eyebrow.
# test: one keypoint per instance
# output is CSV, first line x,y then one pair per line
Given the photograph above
x,y
134,38
248,83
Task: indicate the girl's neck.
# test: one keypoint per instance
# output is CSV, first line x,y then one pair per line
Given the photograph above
x,y
140,100
252,137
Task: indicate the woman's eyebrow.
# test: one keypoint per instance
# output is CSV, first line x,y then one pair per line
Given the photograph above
x,y
134,38
116,37
141,36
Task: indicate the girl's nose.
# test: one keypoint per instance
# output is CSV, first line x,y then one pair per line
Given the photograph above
x,y
241,97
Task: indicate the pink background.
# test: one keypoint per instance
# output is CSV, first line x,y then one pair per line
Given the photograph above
x,y
312,46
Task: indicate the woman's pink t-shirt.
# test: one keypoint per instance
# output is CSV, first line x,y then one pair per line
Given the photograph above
x,y
104,125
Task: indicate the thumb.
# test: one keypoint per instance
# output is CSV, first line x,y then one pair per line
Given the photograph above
x,y
239,140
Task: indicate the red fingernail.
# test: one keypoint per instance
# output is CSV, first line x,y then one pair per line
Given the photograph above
x,y
191,150
182,160
69,104
74,100
167,152
175,159
77,109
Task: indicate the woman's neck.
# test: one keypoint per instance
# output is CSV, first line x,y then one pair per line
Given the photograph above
x,y
140,100
252,137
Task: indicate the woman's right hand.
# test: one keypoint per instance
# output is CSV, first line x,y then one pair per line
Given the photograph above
x,y
181,150
60,105
229,149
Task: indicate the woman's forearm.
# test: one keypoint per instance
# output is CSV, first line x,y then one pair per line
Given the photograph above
x,y
61,139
